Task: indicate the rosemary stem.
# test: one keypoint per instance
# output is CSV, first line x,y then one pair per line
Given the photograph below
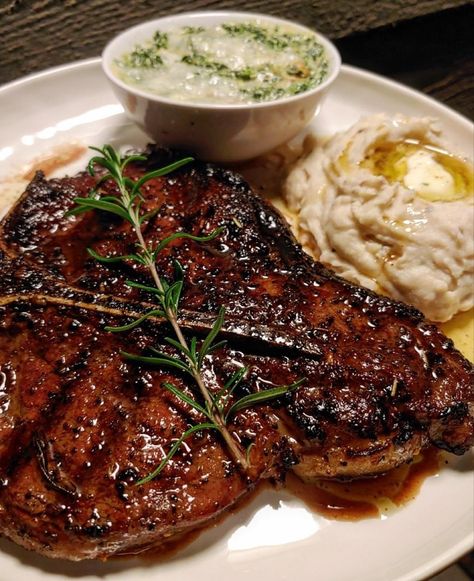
x,y
215,405
234,448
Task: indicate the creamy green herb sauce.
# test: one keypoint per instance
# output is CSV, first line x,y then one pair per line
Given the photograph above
x,y
236,62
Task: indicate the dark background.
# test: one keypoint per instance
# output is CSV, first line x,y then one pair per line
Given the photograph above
x,y
426,44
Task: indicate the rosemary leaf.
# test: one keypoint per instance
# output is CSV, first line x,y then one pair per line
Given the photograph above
x,y
186,398
148,216
174,448
132,325
236,378
110,259
91,204
178,270
178,346
162,360
112,199
113,155
150,289
193,350
215,346
102,162
160,172
172,296
176,235
216,327
132,159
76,211
262,396
230,385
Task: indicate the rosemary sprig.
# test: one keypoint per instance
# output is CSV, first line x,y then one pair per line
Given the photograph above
x,y
215,406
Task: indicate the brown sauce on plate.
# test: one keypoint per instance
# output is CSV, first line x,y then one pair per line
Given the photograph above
x,y
367,497
59,157
349,500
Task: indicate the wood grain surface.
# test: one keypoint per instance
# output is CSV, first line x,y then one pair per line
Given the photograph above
x,y
434,54
36,34
426,44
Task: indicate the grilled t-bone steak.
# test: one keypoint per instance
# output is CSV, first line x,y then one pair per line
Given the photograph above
x,y
79,425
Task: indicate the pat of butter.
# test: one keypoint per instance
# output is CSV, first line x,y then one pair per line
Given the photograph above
x,y
428,178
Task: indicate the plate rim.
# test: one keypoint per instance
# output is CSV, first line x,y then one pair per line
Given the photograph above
x,y
346,70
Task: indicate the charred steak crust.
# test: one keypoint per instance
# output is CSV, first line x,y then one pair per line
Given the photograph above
x,y
79,425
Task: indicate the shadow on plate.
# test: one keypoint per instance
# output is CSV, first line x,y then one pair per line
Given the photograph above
x,y
463,463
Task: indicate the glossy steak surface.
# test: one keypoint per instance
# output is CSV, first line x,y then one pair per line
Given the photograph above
x,y
79,425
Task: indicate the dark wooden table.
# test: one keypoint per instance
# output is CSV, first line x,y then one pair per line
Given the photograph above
x,y
427,44
433,53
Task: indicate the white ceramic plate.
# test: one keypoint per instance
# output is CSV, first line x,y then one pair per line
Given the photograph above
x,y
275,537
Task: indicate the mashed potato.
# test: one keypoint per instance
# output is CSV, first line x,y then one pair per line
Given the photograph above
x,y
387,207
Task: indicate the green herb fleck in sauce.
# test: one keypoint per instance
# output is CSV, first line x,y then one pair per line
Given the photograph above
x,y
230,63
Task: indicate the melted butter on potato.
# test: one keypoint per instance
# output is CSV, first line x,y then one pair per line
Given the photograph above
x,y
431,172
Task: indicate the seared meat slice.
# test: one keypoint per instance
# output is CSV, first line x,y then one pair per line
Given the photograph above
x,y
81,425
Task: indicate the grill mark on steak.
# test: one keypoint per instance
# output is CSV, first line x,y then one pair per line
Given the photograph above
x,y
91,469
108,421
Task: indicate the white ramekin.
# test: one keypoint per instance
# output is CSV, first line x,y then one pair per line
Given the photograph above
x,y
215,132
